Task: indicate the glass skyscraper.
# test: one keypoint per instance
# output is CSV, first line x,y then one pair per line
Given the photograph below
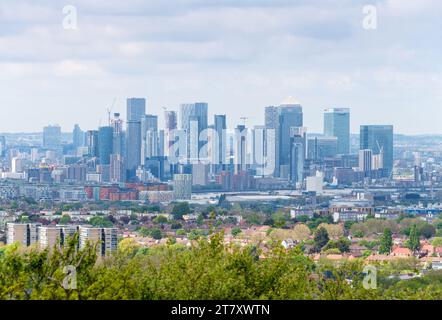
x,y
220,125
136,109
149,137
379,139
290,116
272,126
105,144
194,120
319,148
77,137
337,124
52,137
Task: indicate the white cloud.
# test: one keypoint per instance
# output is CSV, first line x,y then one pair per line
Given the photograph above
x,y
238,55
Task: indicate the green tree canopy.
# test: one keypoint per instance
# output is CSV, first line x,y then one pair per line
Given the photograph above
x,y
321,239
386,242
180,209
414,243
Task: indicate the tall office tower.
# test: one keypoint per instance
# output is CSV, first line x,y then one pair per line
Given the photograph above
x,y
117,169
77,137
149,122
290,116
136,109
219,142
161,143
92,143
272,137
171,125
337,124
365,161
297,154
379,139
240,151
23,233
105,237
149,137
319,148
52,137
171,120
182,186
105,144
259,158
118,139
2,146
194,120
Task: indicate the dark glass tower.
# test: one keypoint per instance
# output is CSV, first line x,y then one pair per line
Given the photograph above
x,y
379,139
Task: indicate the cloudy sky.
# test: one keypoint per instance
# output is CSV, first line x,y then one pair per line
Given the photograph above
x,y
239,56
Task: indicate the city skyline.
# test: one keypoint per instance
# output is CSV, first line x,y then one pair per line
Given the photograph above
x,y
222,53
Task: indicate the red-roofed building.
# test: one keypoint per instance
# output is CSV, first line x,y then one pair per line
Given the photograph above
x,y
401,252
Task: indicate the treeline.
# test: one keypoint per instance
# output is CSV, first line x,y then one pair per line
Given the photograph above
x,y
207,270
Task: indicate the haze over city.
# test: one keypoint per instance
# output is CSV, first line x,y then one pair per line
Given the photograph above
x,y
238,57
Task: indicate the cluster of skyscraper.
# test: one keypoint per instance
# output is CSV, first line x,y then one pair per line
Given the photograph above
x,y
280,149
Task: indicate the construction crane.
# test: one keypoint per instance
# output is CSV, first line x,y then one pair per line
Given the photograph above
x,y
109,110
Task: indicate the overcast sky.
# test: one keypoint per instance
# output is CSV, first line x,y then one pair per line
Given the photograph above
x,y
239,56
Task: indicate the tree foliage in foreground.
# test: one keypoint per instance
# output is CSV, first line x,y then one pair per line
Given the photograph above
x,y
207,270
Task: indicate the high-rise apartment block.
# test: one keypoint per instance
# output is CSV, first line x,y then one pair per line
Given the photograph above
x,y
182,186
24,233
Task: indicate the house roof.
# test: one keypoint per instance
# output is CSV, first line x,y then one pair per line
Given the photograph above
x,y
427,247
402,251
379,257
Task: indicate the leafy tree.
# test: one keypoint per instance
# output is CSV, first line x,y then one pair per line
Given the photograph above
x,y
386,242
280,219
176,226
236,231
358,234
180,232
101,221
65,219
212,215
143,231
414,243
348,224
156,234
427,231
301,232
208,269
302,218
321,239
200,219
333,230
343,244
180,209
160,220
437,242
